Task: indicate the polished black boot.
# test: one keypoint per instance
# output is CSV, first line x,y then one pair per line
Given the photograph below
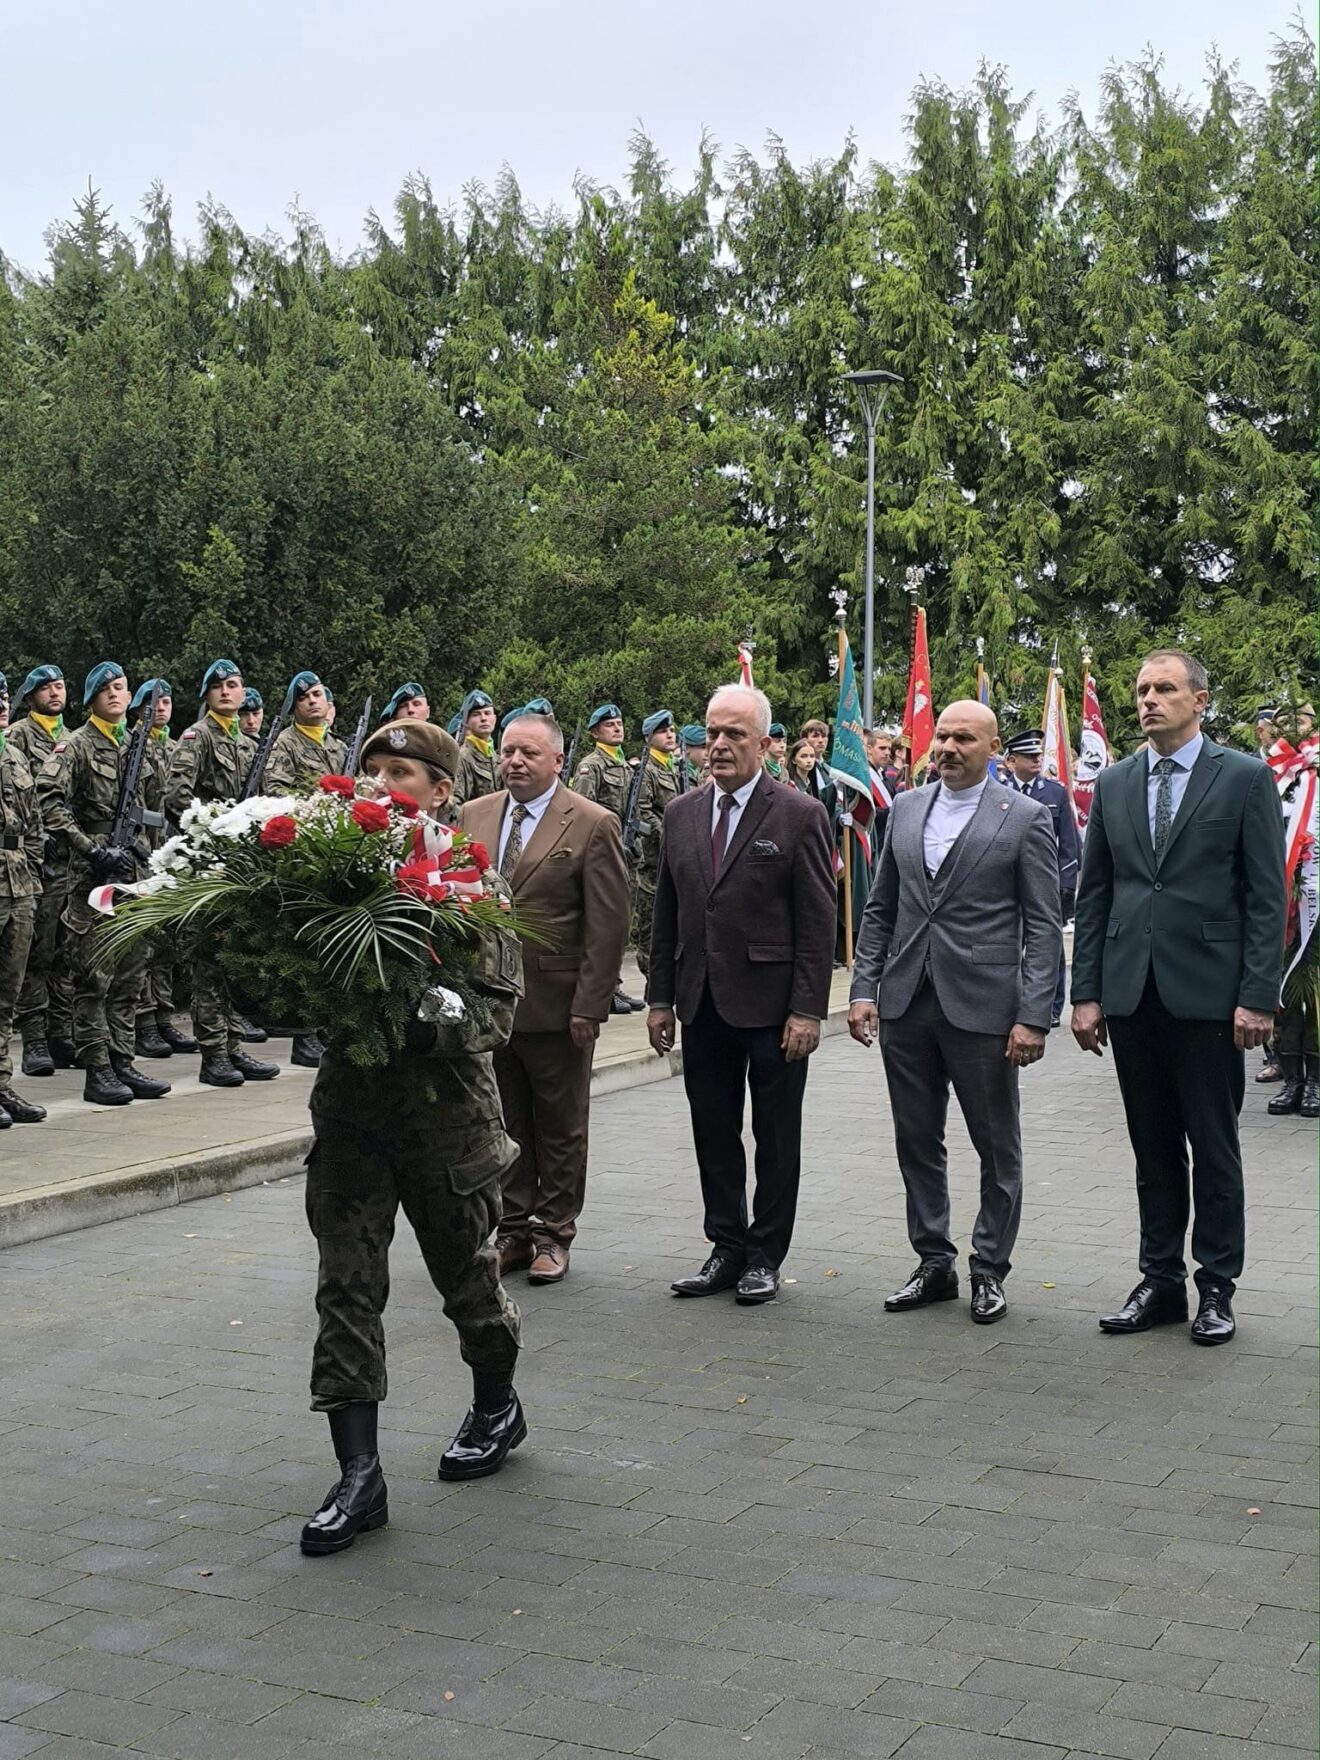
x,y
102,1087
176,1040
359,1500
139,1086
37,1060
306,1053
252,1069
218,1072
492,1429
1289,1097
149,1041
20,1111
1310,1103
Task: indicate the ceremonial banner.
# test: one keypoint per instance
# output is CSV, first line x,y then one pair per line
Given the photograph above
x,y
919,716
1302,866
1056,762
1094,754
745,664
848,764
983,696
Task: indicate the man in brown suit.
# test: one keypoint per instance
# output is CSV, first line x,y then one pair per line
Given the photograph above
x,y
742,951
563,858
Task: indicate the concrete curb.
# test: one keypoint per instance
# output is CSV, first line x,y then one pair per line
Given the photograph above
x,y
160,1185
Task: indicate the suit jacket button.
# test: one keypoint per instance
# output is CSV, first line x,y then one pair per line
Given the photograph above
x,y
1159,886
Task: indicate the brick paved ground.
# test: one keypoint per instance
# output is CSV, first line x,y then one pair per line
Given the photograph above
x,y
804,1529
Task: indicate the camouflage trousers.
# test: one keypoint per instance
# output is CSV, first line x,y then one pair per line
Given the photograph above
x,y
643,912
156,999
356,1181
15,940
214,1020
45,1006
104,1003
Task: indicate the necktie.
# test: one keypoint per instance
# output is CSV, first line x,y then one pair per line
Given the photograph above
x,y
513,848
725,804
1163,805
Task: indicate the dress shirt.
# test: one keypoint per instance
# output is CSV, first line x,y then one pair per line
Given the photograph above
x,y
534,810
741,796
949,816
1183,759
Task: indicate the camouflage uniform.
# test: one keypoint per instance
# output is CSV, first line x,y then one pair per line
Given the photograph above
x,y
659,787
604,778
478,771
156,1002
78,790
433,1140
45,1004
297,759
21,844
209,763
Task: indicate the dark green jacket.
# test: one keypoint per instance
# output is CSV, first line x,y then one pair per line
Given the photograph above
x,y
1209,917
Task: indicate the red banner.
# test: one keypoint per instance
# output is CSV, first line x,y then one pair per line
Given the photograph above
x,y
919,715
1093,757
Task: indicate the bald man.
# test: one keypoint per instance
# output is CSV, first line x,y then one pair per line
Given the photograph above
x,y
955,970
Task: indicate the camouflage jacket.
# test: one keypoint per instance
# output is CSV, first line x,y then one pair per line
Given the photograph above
x,y
605,780
207,764
78,791
32,741
160,754
296,760
659,787
22,838
478,774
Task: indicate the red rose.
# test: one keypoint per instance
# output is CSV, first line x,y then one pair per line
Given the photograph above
x,y
369,815
341,785
404,802
478,853
279,832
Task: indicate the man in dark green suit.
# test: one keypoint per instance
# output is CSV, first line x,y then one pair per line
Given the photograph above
x,y
1176,961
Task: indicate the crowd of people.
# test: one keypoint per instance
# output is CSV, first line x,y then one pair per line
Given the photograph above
x,y
720,851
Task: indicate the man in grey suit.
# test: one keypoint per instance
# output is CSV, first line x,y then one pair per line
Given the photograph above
x,y
955,970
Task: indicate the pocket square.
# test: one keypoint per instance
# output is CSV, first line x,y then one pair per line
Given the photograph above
x,y
765,847
560,855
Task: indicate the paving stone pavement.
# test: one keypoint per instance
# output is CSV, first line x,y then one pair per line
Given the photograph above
x,y
805,1529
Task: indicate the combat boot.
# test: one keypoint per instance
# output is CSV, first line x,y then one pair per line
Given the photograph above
x,y
102,1087
1310,1101
1289,1097
149,1040
176,1040
20,1111
492,1429
139,1086
249,1032
306,1053
358,1501
252,1069
62,1052
218,1072
37,1060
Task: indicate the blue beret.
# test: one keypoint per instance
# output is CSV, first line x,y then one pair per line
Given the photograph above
x,y
301,683
606,712
404,694
38,676
251,699
145,689
538,706
653,723
99,676
694,734
473,700
455,724
216,673
778,730
508,716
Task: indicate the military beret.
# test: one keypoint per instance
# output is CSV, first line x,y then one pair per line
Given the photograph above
x,y
251,699
538,706
606,712
404,694
422,740
654,723
4,687
778,730
473,700
329,694
1027,744
301,683
101,675
694,734
145,689
216,673
38,676
455,725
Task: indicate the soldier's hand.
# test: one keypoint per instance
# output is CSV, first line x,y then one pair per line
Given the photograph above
x,y
1089,1027
583,1031
660,1030
864,1022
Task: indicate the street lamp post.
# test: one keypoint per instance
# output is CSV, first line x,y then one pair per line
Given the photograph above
x,y
872,388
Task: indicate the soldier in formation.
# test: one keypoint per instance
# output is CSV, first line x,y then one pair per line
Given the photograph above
x,y
409,703
251,714
478,767
21,842
156,1034
694,751
306,749
605,776
45,1005
659,787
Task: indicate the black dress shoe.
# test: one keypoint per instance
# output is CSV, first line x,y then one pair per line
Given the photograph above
x,y
306,1053
721,1271
148,1042
759,1283
252,1069
930,1282
37,1060
988,1300
139,1086
20,1111
176,1040
485,1440
1150,1304
102,1087
1214,1322
249,1032
218,1072
359,1500
63,1053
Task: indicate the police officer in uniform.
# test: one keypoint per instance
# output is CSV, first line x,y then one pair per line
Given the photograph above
x,y
21,846
1021,770
409,703
433,1141
251,713
605,776
210,763
78,790
44,1019
478,767
659,787
306,749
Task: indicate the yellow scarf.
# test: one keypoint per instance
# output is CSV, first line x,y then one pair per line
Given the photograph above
x,y
161,733
314,730
53,724
113,730
484,746
226,723
664,758
613,753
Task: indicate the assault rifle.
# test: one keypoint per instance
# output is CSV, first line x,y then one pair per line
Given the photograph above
x,y
359,740
252,786
630,826
682,765
114,860
572,750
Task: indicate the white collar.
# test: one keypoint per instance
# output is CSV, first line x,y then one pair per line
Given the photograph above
x,y
539,805
741,795
1184,757
955,796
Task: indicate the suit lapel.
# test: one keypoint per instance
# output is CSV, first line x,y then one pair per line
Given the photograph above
x,y
550,828
703,834
986,823
758,805
916,841
1204,773
1138,784
484,819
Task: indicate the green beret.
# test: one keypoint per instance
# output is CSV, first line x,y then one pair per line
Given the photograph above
x,y
144,690
455,725
606,712
216,673
301,683
101,675
405,694
778,730
654,723
473,700
422,740
38,676
251,699
694,734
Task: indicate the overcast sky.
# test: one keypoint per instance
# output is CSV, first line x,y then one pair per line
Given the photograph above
x,y
256,102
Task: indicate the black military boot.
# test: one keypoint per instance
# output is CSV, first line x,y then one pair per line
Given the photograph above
x,y
359,1500
1310,1102
306,1053
102,1087
1289,1096
62,1052
139,1086
20,1111
218,1072
249,1032
492,1429
148,1039
37,1060
252,1069
5,1120
176,1040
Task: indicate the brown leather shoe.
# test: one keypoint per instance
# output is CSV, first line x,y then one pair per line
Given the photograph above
x,y
550,1264
512,1252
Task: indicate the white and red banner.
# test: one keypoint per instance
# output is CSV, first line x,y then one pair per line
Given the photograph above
x,y
1302,866
1093,756
745,664
1056,761
1287,761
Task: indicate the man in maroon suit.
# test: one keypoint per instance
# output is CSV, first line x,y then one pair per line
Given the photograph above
x,y
742,950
